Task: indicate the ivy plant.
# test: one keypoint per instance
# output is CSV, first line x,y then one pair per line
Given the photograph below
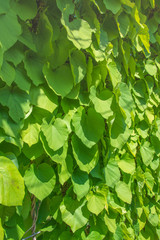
x,y
79,119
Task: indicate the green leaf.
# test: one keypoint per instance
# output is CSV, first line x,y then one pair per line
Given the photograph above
x,y
34,151
78,31
74,213
151,67
11,29
110,221
21,79
153,219
57,134
147,153
44,44
78,65
31,134
7,73
16,100
11,183
80,182
86,158
4,7
112,173
1,230
127,164
88,127
40,180
66,169
124,24
33,65
123,192
126,101
113,5
119,132
102,103
114,73
15,54
27,37
57,156
60,80
96,202
44,98
25,10
11,128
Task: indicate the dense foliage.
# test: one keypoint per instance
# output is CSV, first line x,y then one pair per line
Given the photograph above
x,y
80,119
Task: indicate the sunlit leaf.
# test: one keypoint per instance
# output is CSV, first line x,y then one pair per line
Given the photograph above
x,y
11,183
40,180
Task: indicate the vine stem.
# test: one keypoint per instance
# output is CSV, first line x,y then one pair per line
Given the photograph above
x,y
34,215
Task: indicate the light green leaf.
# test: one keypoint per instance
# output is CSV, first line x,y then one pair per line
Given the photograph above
x,y
74,213
25,9
66,169
44,98
145,38
153,219
57,134
96,202
10,28
78,65
80,182
86,158
1,230
11,183
123,192
127,164
7,73
31,134
60,80
113,5
149,179
147,153
151,67
40,180
110,221
114,73
103,102
88,127
112,173
16,100
33,65
126,101
152,2
124,24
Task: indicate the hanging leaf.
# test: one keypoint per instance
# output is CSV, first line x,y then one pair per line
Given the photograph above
x,y
74,213
88,127
86,158
11,183
40,180
96,202
56,134
16,100
123,192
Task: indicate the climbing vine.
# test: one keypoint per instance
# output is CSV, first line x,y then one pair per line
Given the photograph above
x,y
79,119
